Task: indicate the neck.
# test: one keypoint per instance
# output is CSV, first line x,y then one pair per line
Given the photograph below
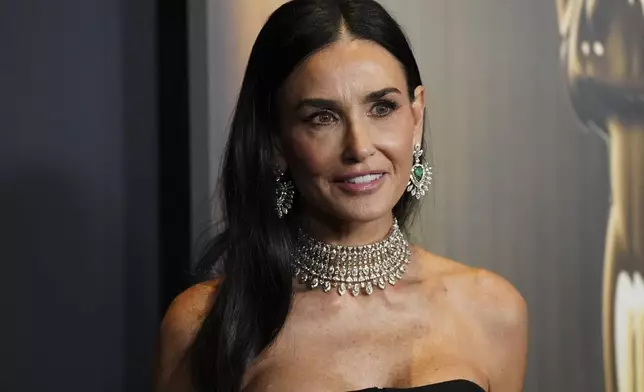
x,y
342,232
346,265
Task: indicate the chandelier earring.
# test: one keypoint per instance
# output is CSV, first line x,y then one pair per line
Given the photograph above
x,y
420,178
284,193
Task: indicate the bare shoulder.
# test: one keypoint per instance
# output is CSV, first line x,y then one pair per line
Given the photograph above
x,y
500,314
179,327
496,302
480,292
495,314
187,310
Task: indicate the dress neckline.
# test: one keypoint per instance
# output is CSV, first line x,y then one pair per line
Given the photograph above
x,y
418,388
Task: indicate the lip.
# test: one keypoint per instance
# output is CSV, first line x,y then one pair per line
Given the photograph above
x,y
346,176
364,188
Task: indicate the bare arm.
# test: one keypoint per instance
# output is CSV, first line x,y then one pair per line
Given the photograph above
x,y
504,317
178,330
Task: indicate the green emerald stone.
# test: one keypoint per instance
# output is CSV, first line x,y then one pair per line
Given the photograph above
x,y
418,173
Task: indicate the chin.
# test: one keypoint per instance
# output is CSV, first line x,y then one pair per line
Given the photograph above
x,y
357,208
362,212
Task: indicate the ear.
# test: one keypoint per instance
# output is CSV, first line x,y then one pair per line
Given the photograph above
x,y
278,153
418,111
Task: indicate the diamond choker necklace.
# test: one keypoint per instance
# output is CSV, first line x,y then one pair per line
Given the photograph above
x,y
351,268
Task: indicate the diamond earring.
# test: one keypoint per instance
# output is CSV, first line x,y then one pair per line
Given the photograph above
x,y
420,178
284,192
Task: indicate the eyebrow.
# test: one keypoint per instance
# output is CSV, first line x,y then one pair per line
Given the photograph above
x,y
376,95
333,105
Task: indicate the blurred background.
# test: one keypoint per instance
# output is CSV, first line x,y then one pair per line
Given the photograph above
x,y
114,117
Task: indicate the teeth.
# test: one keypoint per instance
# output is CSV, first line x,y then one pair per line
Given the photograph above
x,y
364,179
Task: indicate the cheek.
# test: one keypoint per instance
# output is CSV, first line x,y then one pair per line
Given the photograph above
x,y
397,141
309,157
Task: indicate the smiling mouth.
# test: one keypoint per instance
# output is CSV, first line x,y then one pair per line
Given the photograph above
x,y
364,179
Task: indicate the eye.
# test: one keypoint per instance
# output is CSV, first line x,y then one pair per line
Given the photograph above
x,y
383,108
322,118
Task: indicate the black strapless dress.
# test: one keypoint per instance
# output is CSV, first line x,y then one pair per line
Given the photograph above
x,y
448,386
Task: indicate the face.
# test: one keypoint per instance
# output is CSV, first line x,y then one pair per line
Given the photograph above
x,y
347,131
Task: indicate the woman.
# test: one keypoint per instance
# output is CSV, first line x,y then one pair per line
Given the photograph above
x,y
322,172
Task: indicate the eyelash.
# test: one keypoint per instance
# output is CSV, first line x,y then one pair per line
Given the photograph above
x,y
388,104
313,117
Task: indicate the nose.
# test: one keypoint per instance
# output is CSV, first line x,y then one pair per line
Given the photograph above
x,y
358,145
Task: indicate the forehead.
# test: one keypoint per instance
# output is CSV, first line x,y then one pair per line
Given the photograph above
x,y
343,69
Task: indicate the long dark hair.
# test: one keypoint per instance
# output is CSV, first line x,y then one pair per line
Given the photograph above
x,y
254,296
